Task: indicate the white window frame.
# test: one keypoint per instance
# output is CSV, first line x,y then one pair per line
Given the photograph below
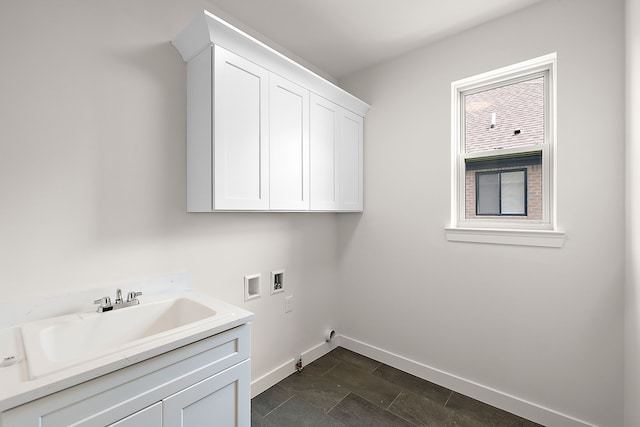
x,y
506,230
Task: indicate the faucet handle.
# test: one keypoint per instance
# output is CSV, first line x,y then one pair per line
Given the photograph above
x,y
105,304
131,296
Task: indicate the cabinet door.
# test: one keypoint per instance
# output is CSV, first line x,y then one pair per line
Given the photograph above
x,y
222,400
350,161
151,417
336,157
241,136
288,145
323,165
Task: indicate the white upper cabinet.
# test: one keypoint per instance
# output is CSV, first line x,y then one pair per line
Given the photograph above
x,y
336,157
350,161
263,132
324,167
241,133
288,145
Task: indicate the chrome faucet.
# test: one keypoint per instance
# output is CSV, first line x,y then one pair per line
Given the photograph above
x,y
105,302
132,298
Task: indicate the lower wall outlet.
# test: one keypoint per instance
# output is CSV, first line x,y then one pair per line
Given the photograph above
x,y
288,304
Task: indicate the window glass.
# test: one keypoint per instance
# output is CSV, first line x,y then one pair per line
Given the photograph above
x,y
505,117
512,193
504,186
488,186
501,193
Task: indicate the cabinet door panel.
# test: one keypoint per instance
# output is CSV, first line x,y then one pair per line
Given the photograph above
x,y
241,144
323,132
222,400
288,145
350,140
336,146
149,417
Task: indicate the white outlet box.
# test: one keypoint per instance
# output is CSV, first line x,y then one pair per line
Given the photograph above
x,y
288,304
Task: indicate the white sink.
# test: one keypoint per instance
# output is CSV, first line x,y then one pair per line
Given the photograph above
x,y
56,343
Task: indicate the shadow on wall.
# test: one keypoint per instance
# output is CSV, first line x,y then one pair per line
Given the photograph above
x,y
140,175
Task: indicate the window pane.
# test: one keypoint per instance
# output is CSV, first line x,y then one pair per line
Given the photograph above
x,y
505,117
521,181
488,194
513,193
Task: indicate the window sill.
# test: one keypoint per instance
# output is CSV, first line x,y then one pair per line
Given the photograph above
x,y
544,238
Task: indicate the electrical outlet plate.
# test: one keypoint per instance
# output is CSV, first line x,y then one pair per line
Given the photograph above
x,y
277,281
288,304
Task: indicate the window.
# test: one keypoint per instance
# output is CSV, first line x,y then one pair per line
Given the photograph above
x,y
501,193
503,165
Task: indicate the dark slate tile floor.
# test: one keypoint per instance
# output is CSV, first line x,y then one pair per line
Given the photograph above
x,y
344,388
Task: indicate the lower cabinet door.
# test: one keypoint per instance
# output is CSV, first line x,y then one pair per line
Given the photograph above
x,y
222,400
148,417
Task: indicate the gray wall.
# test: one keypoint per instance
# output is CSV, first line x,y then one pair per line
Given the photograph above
x,y
540,324
632,297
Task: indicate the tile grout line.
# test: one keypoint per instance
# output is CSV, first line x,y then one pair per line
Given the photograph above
x,y
375,369
330,369
323,374
394,400
448,398
340,401
268,413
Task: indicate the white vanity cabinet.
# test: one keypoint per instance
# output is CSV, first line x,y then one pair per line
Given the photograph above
x,y
211,401
253,136
203,383
151,416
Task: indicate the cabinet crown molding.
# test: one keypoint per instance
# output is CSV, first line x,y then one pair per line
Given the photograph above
x,y
207,29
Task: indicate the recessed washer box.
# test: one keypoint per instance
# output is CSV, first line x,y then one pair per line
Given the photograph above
x,y
251,287
277,281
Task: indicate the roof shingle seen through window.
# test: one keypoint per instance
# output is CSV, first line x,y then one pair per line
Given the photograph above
x,y
518,106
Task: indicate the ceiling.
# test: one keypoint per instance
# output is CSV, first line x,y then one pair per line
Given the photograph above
x,y
344,36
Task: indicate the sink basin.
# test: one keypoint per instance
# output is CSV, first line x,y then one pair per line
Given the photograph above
x,y
57,343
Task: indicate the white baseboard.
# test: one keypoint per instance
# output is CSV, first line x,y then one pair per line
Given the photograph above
x,y
513,404
289,367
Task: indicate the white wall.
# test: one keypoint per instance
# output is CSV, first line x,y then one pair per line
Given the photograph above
x,y
92,173
539,324
632,297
